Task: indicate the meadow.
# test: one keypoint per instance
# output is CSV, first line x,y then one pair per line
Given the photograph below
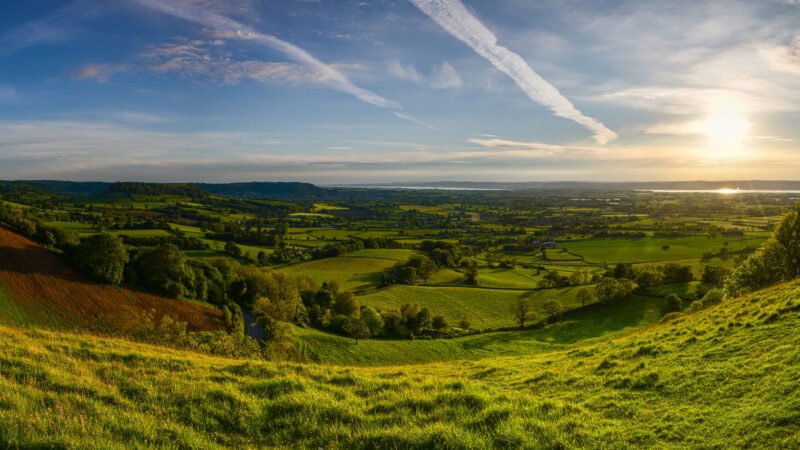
x,y
630,391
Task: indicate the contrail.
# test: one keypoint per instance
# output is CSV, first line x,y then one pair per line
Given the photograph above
x,y
234,29
454,17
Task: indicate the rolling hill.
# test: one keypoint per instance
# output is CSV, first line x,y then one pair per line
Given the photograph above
x,y
723,377
37,287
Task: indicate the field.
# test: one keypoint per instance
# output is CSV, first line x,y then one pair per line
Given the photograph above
x,y
482,308
37,287
655,249
63,390
352,273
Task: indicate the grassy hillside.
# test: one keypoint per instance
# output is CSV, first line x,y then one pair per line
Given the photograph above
x,y
37,287
720,378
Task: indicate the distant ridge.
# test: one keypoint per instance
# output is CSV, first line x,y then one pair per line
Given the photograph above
x,y
283,190
263,189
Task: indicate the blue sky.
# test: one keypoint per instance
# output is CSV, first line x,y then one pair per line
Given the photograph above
x,y
399,90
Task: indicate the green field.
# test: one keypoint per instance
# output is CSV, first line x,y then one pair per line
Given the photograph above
x,y
653,249
483,308
386,253
352,273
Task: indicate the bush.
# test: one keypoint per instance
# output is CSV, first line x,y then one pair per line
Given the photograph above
x,y
373,319
439,323
673,302
103,257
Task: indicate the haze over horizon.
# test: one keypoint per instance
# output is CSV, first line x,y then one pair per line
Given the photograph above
x,y
349,92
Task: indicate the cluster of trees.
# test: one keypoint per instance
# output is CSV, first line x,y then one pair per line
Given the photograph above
x,y
26,223
554,279
353,245
420,267
776,261
651,276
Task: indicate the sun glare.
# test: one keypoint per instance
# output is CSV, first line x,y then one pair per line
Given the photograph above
x,y
726,125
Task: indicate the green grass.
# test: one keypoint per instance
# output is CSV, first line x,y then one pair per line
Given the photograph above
x,y
721,378
652,249
483,308
141,233
80,228
352,273
387,253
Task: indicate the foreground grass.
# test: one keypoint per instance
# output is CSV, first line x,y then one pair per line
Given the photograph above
x,y
721,378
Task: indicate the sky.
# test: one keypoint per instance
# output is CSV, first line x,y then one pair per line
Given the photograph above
x,y
356,91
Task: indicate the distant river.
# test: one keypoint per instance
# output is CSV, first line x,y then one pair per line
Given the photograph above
x,y
723,191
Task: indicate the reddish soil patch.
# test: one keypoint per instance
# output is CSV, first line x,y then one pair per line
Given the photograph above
x,y
46,287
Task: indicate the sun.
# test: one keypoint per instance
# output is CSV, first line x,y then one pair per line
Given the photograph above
x,y
726,125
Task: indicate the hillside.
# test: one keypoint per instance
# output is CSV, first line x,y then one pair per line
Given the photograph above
x,y
719,378
37,287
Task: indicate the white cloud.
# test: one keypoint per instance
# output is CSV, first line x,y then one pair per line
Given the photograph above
x,y
454,17
231,29
445,77
100,72
405,72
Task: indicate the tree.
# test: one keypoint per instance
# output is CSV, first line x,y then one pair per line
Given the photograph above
x,y
232,249
373,319
649,277
471,272
768,265
407,275
610,289
715,274
423,265
787,234
357,329
345,304
673,302
102,256
262,259
439,323
521,310
583,296
553,308
577,278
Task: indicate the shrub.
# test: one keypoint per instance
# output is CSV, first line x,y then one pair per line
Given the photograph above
x,y
439,323
102,256
673,302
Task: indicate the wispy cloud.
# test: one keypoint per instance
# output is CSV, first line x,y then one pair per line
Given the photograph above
x,y
443,76
413,119
100,72
56,27
232,29
405,72
454,17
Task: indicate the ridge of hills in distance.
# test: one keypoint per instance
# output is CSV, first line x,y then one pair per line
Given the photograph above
x,y
423,224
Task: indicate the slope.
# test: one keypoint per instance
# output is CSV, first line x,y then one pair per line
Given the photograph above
x,y
719,378
38,288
